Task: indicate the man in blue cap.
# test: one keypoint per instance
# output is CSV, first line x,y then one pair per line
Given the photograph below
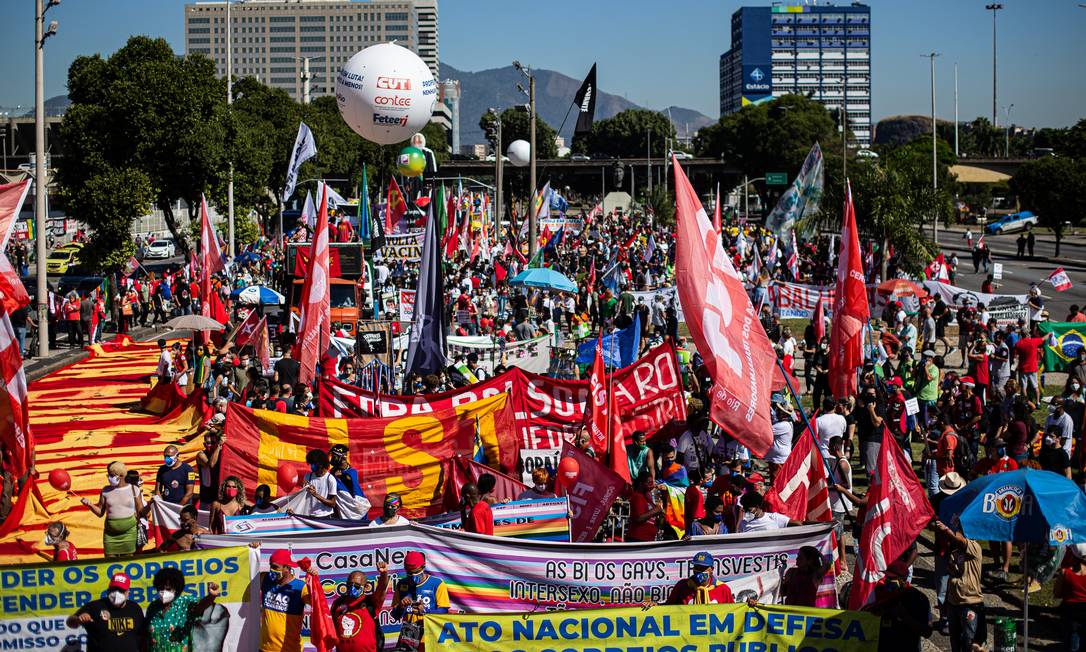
x,y
702,586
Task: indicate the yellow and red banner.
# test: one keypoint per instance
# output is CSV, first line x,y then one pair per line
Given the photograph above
x,y
392,454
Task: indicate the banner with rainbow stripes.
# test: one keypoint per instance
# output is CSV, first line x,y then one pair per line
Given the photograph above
x,y
545,519
493,574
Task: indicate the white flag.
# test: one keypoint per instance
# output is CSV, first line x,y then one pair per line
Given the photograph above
x,y
335,200
304,149
309,211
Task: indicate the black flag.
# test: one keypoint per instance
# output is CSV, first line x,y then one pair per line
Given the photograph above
x,y
426,346
586,104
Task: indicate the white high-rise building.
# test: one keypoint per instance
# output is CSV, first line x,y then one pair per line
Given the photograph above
x,y
272,38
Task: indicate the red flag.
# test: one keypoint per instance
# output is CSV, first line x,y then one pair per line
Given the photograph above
x,y
262,346
210,258
14,414
937,270
1060,280
820,320
396,208
322,630
590,495
620,464
13,294
301,261
850,309
723,323
245,331
595,414
800,489
897,510
592,276
316,311
460,470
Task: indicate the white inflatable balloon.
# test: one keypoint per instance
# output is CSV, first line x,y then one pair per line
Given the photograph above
x,y
519,153
386,93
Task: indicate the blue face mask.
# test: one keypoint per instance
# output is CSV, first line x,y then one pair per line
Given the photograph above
x,y
702,577
315,468
273,575
354,591
169,460
719,518
1001,452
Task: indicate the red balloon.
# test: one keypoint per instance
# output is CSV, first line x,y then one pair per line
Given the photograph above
x,y
288,477
60,480
569,469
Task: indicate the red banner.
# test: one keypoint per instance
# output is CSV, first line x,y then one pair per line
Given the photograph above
x,y
404,454
548,411
590,495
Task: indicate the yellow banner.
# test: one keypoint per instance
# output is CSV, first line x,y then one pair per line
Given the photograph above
x,y
58,589
687,628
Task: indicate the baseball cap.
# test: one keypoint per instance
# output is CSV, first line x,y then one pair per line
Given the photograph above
x,y
968,381
896,382
703,559
120,581
282,557
929,353
756,477
414,559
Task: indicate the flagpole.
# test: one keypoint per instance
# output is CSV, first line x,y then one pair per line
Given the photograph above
x,y
806,421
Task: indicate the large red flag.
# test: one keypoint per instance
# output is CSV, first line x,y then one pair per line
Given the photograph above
x,y
262,347
897,510
590,495
592,276
616,441
12,293
210,258
246,330
723,323
595,414
850,309
800,489
316,323
322,629
14,411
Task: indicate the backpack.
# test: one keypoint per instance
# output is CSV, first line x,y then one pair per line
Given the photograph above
x,y
964,460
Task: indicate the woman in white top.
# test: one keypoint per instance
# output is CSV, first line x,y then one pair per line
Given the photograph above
x,y
783,432
120,503
318,499
390,512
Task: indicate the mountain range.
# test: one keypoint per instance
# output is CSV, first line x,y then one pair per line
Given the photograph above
x,y
554,91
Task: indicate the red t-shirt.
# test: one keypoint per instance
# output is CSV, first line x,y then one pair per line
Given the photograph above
x,y
66,554
1028,350
980,370
646,530
482,518
694,505
988,466
1074,587
686,593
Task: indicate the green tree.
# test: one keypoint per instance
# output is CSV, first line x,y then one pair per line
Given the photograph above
x,y
516,125
108,201
1074,144
146,109
627,133
1054,188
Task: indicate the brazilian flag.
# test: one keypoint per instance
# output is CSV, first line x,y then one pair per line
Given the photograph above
x,y
1070,337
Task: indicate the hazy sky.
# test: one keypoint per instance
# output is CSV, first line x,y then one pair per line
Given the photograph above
x,y
661,53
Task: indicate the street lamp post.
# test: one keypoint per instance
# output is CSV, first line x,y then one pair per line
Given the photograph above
x,y
498,171
994,7
533,227
230,102
40,173
1007,134
934,158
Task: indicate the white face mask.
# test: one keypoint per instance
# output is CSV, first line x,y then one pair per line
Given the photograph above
x,y
166,596
117,598
114,480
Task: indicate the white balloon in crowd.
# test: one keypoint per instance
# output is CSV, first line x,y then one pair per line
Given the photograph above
x,y
386,93
519,153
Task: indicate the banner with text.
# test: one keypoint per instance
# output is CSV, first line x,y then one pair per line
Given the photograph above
x,y
545,519
37,598
406,306
690,628
491,574
798,301
668,296
406,247
547,410
399,453
1004,308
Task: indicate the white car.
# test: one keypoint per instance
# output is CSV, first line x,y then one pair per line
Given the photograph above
x,y
681,155
160,249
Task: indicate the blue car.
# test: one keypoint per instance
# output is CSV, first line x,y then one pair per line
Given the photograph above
x,y
1010,223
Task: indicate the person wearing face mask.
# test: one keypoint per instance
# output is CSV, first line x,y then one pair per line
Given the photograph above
x,y
174,480
353,504
284,597
694,497
262,502
640,457
538,490
390,512
319,488
56,537
184,537
821,371
417,594
171,617
231,502
712,522
207,460
113,623
475,513
355,613
119,503
754,518
702,586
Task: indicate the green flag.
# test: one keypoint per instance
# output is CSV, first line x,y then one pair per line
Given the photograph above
x,y
1067,338
441,211
364,207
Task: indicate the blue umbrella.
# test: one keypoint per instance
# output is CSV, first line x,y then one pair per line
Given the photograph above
x,y
1023,506
544,278
255,294
247,257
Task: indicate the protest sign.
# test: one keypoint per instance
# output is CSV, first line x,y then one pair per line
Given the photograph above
x,y
37,598
547,410
798,301
401,454
1004,308
691,628
997,271
493,574
572,225
544,519
532,355
407,305
406,247
540,458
